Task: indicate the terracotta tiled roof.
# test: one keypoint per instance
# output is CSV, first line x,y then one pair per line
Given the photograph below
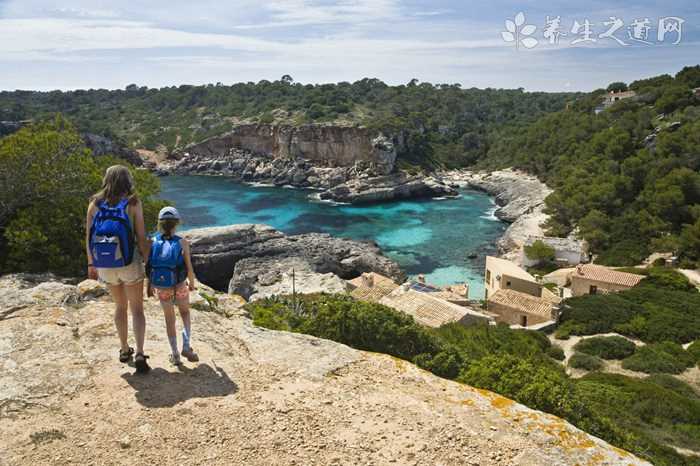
x,y
382,286
606,275
523,302
426,309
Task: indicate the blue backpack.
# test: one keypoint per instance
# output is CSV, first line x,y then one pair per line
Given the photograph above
x,y
166,263
111,236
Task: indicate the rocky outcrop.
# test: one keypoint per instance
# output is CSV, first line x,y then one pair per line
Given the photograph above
x,y
322,145
388,188
258,278
348,164
101,146
240,257
520,200
257,397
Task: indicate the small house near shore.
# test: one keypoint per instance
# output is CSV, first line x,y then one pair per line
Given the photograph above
x,y
516,297
593,279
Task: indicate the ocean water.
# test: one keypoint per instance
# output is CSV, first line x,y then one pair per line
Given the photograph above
x,y
428,236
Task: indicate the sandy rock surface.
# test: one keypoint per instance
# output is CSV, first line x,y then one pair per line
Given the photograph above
x,y
257,397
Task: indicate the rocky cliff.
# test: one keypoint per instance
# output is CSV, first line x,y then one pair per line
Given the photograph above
x,y
247,259
349,164
257,397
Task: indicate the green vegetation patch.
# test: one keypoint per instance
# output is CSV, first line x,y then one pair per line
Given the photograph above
x,y
666,357
612,347
585,361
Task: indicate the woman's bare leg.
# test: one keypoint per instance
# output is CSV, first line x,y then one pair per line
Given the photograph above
x,y
134,294
121,317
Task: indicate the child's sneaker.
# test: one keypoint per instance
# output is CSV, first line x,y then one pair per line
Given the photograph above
x,y
190,355
175,360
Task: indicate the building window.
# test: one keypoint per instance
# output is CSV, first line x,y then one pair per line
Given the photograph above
x,y
488,276
593,289
508,283
523,321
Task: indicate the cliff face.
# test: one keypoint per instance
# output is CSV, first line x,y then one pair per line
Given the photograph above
x,y
324,146
257,397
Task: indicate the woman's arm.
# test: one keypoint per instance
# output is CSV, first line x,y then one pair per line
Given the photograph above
x,y
92,272
140,231
188,263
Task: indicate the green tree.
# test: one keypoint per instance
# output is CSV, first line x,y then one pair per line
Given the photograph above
x,y
539,251
617,87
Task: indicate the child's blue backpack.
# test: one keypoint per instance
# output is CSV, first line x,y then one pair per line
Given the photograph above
x,y
111,236
166,262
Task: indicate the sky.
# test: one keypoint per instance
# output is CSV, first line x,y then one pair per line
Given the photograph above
x,y
83,44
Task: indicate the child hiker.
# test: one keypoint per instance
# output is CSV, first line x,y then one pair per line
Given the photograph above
x,y
171,275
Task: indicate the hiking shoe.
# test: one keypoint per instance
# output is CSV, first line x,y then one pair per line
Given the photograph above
x,y
190,355
140,363
175,360
125,356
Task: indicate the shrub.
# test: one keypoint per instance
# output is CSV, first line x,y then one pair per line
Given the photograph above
x,y
606,347
539,252
598,313
694,351
666,357
556,352
567,329
540,385
585,361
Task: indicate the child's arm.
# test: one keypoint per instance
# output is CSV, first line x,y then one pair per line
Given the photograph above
x,y
188,264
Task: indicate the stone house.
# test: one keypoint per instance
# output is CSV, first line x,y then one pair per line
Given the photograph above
x,y
612,97
594,279
516,297
516,308
504,274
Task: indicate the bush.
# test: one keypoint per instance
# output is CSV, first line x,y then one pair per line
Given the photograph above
x,y
542,386
556,352
666,357
540,252
606,347
585,361
694,351
567,329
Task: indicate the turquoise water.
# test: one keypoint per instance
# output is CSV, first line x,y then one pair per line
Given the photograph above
x,y
431,237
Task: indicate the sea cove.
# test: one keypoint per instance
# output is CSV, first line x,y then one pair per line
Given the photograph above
x,y
427,236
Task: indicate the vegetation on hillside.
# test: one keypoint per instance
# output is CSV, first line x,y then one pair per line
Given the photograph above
x,y
514,363
48,175
662,309
442,124
627,194
613,347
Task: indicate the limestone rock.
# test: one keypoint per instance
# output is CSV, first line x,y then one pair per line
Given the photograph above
x,y
217,251
258,278
91,289
256,397
387,188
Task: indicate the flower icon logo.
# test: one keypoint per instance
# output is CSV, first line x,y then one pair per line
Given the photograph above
x,y
519,32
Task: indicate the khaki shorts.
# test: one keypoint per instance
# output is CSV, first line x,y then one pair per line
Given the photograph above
x,y
129,275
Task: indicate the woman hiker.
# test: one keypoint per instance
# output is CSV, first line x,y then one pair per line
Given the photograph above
x,y
116,245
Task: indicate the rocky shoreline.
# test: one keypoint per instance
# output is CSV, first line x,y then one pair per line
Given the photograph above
x,y
252,259
347,164
520,200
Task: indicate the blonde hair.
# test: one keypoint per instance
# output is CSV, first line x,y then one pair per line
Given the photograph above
x,y
167,226
116,185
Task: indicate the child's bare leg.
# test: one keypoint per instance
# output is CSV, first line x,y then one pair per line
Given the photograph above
x,y
169,313
184,307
